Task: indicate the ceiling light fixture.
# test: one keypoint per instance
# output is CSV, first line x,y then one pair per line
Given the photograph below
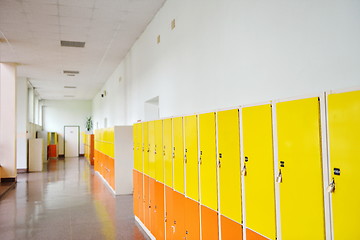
x,y
69,96
69,87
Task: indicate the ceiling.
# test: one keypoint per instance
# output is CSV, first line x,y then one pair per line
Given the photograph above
x,y
31,31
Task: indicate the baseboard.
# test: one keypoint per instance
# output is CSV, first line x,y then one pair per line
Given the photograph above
x,y
106,183
22,170
146,230
8,179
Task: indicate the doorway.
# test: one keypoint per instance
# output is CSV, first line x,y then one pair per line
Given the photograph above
x,y
71,141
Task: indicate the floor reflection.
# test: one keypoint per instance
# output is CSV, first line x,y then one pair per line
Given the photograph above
x,y
68,201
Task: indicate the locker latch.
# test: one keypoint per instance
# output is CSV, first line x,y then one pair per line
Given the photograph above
x,y
219,164
243,171
279,177
331,187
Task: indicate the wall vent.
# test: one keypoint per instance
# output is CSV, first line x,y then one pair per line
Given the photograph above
x,y
72,44
69,87
69,96
71,72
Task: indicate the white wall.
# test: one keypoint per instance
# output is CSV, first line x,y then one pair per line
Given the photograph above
x,y
57,114
228,53
21,124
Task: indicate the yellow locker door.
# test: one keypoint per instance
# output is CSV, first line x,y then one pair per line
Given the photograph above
x,y
344,143
152,167
208,175
229,164
167,148
159,155
178,150
259,163
135,146
301,189
145,146
139,147
191,157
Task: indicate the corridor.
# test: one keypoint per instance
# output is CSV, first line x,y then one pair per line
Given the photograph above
x,y
68,201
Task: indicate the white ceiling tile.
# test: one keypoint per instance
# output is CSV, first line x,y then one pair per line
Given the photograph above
x,y
40,8
43,18
75,22
83,3
44,27
75,11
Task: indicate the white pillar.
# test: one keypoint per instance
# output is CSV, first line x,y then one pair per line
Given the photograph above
x,y
8,121
21,112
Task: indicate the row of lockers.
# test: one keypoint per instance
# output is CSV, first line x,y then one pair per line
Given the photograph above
x,y
104,141
294,175
88,140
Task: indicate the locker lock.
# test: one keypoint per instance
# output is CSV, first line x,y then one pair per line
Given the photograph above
x,y
220,155
282,164
246,159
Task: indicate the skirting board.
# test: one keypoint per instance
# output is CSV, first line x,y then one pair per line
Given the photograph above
x,y
106,183
145,228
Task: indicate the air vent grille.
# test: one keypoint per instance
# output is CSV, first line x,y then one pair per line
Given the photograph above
x,y
69,96
69,87
71,72
72,44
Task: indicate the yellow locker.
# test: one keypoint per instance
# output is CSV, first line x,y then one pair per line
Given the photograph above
x,y
159,155
191,157
229,164
135,147
145,146
208,175
138,147
152,167
259,167
301,188
167,148
344,143
178,150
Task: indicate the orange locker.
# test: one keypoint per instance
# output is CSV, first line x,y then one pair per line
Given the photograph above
x,y
146,202
135,193
209,224
140,196
152,225
169,213
159,228
251,235
179,216
230,230
192,220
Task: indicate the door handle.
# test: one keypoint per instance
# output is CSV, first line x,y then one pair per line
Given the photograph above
x,y
279,177
331,187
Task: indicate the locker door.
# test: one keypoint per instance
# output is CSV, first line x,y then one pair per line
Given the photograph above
x,y
152,200
135,193
344,132
145,146
229,167
159,211
151,136
138,148
178,149
191,157
208,176
209,224
179,216
146,202
135,146
169,213
168,159
159,155
259,163
192,219
299,153
140,196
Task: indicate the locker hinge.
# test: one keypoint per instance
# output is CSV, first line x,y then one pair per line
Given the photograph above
x,y
331,187
219,164
243,171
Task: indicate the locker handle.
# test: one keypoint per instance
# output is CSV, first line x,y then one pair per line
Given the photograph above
x,y
219,164
279,177
185,158
243,171
200,160
331,187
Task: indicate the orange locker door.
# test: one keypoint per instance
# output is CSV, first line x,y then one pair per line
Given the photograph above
x,y
209,224
152,205
230,229
135,193
179,216
192,220
159,230
140,196
169,213
146,202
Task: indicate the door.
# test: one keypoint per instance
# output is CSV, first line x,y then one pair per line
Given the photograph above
x,y
71,141
229,164
344,132
208,175
178,151
191,157
300,163
259,177
159,154
168,159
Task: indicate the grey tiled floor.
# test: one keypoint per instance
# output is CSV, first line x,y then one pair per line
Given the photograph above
x,y
68,201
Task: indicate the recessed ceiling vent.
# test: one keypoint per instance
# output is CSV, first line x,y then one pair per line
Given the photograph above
x,y
72,44
69,96
69,87
71,72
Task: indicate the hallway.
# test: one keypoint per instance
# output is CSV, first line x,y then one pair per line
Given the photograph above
x,y
68,201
